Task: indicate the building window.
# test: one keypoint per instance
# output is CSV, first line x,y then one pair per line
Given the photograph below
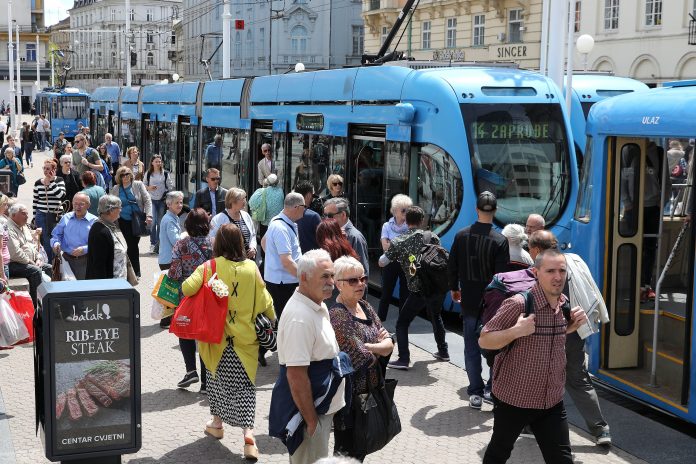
x,y
31,52
479,30
150,37
113,59
113,14
425,34
262,42
173,38
578,8
150,14
611,14
132,14
150,59
99,59
358,40
385,33
515,25
653,12
237,45
298,40
249,45
451,40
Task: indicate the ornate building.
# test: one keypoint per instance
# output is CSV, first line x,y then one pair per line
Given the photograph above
x,y
99,46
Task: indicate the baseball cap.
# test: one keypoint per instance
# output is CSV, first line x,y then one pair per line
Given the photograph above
x,y
486,201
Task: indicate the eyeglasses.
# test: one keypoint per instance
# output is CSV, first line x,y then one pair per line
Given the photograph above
x,y
216,179
337,184
353,281
329,215
126,174
403,211
302,206
79,141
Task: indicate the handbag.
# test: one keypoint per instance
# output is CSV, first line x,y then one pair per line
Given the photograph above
x,y
375,417
138,220
56,272
19,177
166,290
266,332
202,316
679,169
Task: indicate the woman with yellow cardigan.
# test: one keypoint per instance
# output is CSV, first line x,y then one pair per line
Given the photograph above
x,y
231,364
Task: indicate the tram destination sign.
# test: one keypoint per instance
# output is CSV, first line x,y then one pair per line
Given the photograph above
x,y
510,130
310,122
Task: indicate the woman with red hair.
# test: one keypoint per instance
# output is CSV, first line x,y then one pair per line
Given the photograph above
x,y
331,238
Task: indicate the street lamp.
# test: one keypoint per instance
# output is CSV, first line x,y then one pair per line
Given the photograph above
x,y
585,44
176,77
299,67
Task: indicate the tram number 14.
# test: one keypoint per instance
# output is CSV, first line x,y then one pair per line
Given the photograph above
x,y
492,130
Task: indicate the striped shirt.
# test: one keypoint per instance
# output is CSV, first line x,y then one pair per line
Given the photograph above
x,y
530,371
48,198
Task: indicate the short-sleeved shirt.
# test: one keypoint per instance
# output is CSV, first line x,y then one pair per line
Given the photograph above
x,y
391,230
530,371
281,239
305,334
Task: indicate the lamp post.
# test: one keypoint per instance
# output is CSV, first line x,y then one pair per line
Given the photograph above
x,y
585,44
10,55
18,92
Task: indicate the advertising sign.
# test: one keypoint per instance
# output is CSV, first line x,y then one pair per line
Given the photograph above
x,y
93,352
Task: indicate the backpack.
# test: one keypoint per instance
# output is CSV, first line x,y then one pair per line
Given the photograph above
x,y
431,267
502,287
528,309
166,179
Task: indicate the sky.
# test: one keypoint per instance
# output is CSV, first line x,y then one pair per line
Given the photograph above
x,y
56,10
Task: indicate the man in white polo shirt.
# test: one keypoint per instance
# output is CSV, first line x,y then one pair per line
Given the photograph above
x,y
305,336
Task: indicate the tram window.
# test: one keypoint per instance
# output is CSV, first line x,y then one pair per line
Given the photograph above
x,y
520,153
129,135
625,296
630,189
234,158
439,189
166,133
583,210
73,107
314,158
397,169
150,141
280,151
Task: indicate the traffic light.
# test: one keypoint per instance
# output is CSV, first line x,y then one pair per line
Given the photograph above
x,y
133,58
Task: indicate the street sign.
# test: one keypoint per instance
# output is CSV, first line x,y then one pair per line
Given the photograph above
x,y
88,370
239,24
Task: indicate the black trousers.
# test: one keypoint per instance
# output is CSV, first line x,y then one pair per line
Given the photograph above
x,y
188,350
391,273
132,244
550,428
280,293
414,304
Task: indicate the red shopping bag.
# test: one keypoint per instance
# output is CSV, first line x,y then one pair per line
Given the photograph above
x,y
201,316
21,304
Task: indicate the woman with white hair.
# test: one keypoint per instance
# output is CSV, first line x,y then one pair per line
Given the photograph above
x,y
15,167
519,258
170,228
362,337
235,202
392,272
107,257
70,176
270,198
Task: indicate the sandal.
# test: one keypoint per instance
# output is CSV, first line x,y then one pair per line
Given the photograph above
x,y
213,431
251,452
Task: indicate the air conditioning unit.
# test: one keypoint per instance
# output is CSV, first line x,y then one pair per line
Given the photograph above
x,y
501,36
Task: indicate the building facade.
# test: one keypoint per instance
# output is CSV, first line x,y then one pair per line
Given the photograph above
x,y
321,34
28,16
460,30
647,40
98,45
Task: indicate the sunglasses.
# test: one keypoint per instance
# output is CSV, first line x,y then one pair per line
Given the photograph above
x,y
337,184
353,281
330,215
216,179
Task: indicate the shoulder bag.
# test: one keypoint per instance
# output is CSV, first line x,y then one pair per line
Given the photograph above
x,y
138,219
266,332
375,417
21,180
202,316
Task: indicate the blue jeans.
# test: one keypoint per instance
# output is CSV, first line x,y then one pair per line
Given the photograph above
x,y
47,225
472,357
158,210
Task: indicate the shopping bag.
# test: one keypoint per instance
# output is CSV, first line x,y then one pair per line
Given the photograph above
x,y
160,311
376,419
67,271
12,328
201,316
166,290
22,305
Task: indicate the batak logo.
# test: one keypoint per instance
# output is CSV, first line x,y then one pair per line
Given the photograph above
x,y
88,314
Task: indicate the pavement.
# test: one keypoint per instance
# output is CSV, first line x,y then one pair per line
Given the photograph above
x,y
438,425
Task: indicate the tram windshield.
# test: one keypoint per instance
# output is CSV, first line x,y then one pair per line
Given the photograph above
x,y
74,107
520,153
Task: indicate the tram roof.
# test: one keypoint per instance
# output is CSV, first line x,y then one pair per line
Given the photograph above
x,y
665,111
105,94
594,87
177,93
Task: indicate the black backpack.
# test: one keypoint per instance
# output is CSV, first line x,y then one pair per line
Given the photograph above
x,y
528,309
431,267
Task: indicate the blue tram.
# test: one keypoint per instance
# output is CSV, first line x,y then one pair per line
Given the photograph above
x,y
439,135
65,108
630,225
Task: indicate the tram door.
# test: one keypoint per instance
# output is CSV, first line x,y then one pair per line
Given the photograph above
x,y
263,133
186,160
365,188
626,229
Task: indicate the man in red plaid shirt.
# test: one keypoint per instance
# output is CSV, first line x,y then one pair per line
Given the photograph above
x,y
529,371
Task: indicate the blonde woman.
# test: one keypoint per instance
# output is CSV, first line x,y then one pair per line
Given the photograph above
x,y
235,202
133,162
334,185
392,272
134,198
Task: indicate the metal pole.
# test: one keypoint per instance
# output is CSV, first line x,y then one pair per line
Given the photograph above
x,y
330,17
18,105
226,21
38,71
557,20
544,46
53,69
128,47
270,36
569,60
10,55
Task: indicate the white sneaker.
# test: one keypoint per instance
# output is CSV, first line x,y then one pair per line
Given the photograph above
x,y
152,248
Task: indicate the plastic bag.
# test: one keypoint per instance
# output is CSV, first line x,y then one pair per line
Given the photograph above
x,y
159,311
22,305
12,328
166,290
67,271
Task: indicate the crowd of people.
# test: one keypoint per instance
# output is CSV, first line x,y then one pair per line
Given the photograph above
x,y
299,260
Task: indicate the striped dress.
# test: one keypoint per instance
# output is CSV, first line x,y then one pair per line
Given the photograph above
x,y
48,198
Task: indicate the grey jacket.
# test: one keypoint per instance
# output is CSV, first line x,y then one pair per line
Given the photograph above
x,y
584,291
141,196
